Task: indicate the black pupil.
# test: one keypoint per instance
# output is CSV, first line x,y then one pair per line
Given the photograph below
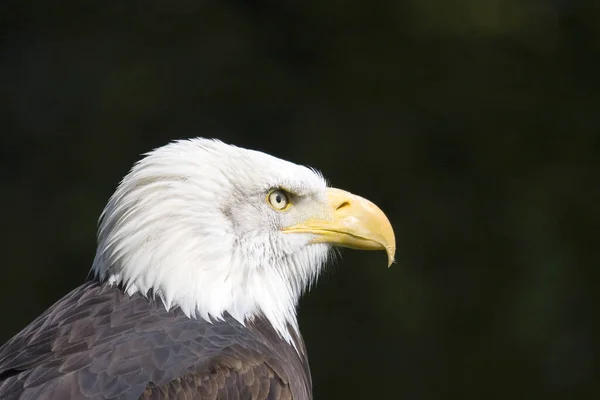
x,y
278,198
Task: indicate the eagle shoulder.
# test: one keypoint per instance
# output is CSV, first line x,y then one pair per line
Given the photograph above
x,y
99,343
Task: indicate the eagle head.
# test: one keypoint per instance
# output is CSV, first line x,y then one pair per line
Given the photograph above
x,y
212,228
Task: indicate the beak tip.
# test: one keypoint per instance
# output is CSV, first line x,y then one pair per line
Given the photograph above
x,y
391,252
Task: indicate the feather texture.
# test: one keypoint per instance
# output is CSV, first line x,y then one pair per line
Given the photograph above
x,y
193,288
100,343
190,221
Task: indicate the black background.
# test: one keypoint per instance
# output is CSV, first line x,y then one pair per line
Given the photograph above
x,y
472,123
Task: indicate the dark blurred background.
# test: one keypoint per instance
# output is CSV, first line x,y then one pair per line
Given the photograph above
x,y
473,123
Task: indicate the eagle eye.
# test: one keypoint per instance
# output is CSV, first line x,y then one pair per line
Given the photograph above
x,y
278,199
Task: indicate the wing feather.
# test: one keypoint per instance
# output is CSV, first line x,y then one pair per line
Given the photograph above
x,y
99,343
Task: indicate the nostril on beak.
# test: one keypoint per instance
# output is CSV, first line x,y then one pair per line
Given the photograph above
x,y
342,205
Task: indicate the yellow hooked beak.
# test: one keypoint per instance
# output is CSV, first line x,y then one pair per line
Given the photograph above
x,y
353,222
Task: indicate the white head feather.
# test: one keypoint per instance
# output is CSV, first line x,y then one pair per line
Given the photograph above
x,y
191,223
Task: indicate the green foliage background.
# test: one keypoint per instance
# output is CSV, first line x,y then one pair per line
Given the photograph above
x,y
473,123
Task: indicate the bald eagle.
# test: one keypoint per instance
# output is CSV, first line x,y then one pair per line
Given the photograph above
x,y
203,252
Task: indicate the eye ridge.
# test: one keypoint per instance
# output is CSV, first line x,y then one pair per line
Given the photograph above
x,y
279,199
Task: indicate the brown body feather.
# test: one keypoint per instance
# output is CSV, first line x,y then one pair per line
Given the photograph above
x,y
99,343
